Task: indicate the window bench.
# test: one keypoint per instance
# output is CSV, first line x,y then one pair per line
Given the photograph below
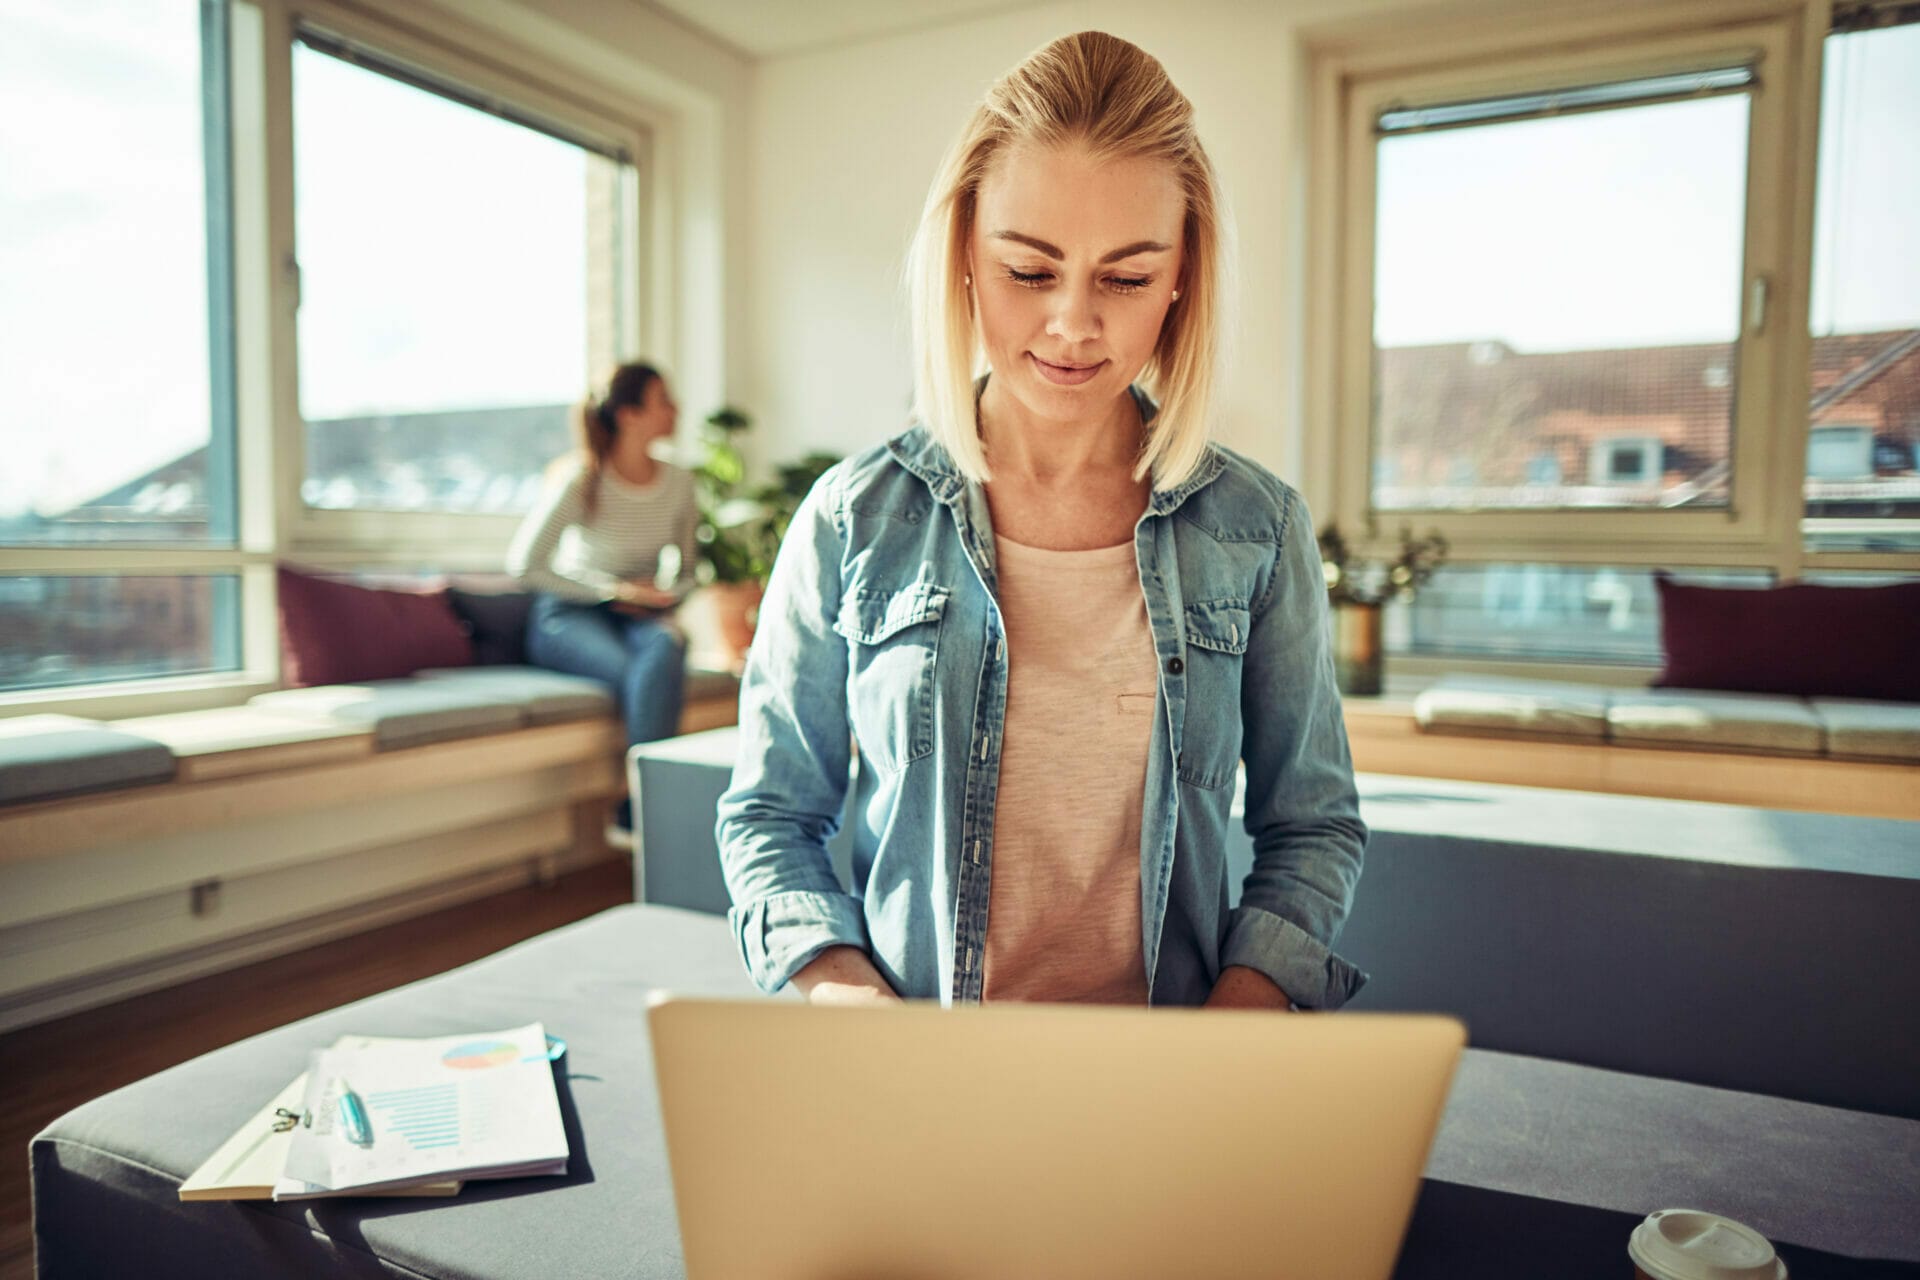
x,y
138,853
1820,755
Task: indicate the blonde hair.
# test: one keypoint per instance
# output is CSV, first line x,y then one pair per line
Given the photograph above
x,y
1114,98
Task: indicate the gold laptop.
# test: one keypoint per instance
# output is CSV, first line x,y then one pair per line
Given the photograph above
x,y
1052,1141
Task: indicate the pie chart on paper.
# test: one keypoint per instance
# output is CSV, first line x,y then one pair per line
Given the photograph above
x,y
477,1055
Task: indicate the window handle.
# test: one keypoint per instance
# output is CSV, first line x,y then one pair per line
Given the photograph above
x,y
1757,305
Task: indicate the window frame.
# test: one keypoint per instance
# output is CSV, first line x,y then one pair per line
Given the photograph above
x,y
1641,536
273,524
1456,49
459,539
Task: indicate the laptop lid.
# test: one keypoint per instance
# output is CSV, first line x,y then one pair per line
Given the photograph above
x,y
916,1142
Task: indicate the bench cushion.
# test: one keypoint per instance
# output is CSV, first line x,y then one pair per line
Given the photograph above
x,y
1497,705
229,741
544,696
402,713
1731,721
1870,730
42,757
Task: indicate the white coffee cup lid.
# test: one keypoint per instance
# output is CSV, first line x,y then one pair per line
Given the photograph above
x,y
1691,1244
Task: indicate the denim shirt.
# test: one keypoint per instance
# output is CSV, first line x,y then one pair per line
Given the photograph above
x,y
881,626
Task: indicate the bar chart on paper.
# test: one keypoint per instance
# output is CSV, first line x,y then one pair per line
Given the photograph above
x,y
443,1108
428,1117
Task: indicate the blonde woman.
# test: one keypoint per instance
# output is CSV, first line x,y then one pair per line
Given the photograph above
x,y
592,548
1053,616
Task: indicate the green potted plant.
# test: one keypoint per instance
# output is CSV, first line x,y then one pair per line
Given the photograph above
x,y
1358,590
741,525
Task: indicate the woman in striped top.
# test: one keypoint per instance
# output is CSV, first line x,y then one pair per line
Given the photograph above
x,y
610,550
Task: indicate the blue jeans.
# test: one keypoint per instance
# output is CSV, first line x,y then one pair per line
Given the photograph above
x,y
641,660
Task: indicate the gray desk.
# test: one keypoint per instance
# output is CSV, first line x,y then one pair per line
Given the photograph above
x,y
1540,1168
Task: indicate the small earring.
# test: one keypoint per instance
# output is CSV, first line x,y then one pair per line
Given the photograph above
x,y
969,281
1176,295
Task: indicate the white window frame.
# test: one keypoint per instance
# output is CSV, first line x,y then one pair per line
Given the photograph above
x,y
475,541
274,525
1649,534
1356,65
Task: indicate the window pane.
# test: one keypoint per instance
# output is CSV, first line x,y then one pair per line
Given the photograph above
x,y
1544,612
104,227
1556,310
1863,440
456,293
85,630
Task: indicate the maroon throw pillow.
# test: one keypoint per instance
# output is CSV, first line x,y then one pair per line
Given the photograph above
x,y
1800,639
333,632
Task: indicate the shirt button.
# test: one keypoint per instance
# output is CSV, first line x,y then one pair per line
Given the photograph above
x,y
1175,666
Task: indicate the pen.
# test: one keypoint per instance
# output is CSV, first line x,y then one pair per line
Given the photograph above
x,y
353,1115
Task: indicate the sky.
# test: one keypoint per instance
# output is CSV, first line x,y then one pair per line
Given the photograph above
x,y
442,251
1624,228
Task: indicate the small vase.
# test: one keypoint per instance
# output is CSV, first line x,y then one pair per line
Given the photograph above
x,y
1357,652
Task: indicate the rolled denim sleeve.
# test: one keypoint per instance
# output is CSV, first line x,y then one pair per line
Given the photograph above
x,y
790,779
1301,807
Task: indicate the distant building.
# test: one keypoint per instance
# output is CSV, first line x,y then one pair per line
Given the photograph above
x,y
1479,424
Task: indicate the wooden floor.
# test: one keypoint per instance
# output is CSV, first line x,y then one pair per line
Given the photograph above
x,y
46,1071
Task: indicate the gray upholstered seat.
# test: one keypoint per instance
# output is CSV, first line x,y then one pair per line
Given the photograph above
x,y
1867,730
544,696
1726,721
1540,1168
403,713
1491,704
42,757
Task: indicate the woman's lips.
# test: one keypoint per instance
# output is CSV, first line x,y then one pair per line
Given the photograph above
x,y
1061,376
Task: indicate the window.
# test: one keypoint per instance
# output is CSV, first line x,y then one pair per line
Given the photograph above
x,y
1544,612
459,269
1634,461
1863,449
116,379
71,630
116,306
1562,278
1515,256
289,282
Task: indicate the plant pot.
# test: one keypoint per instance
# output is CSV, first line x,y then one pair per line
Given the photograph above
x,y
736,607
1357,653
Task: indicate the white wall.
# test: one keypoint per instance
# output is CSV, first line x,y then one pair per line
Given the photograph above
x,y
845,141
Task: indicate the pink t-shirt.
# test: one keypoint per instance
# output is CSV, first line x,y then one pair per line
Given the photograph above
x,y
1063,916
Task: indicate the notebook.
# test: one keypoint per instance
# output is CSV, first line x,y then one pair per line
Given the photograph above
x,y
248,1164
449,1107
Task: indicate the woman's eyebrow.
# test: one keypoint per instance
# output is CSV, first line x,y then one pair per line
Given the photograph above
x,y
1053,251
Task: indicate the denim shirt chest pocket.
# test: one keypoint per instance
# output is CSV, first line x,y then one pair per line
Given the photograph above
x,y
892,640
1217,634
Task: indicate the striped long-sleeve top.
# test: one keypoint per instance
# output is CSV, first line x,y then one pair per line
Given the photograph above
x,y
557,550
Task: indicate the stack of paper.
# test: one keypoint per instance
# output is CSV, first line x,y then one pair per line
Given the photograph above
x,y
428,1114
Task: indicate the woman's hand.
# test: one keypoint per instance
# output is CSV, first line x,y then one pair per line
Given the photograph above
x,y
1242,988
843,975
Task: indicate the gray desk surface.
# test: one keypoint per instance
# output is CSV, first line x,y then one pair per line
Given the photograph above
x,y
1539,1168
